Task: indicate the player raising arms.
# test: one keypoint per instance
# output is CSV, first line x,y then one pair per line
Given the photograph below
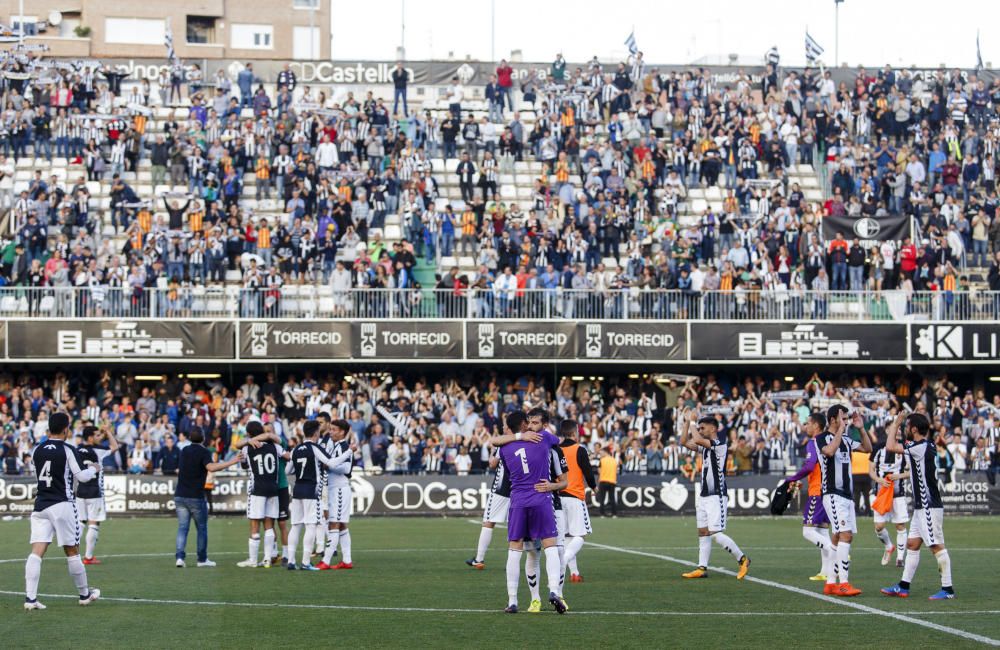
x,y
887,466
838,493
56,467
309,463
927,525
712,500
814,520
91,494
531,514
579,475
339,497
261,454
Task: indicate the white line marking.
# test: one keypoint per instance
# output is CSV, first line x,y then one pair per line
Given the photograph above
x,y
452,610
830,599
361,552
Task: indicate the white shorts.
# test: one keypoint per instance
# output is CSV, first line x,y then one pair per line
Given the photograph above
x,y
928,525
91,509
306,511
840,510
710,512
339,504
496,509
60,520
900,513
262,507
560,526
577,517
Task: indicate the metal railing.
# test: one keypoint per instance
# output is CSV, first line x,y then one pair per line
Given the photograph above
x,y
310,301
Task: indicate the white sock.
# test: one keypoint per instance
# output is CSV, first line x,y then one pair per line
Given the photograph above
x,y
92,534
726,542
562,567
332,539
270,550
32,572
293,541
944,567
345,546
844,560
883,536
319,538
284,552
307,545
485,536
704,550
817,537
569,557
513,575
79,574
832,576
911,564
254,546
900,544
531,572
553,568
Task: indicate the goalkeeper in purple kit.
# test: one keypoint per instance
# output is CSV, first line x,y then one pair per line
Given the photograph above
x,y
531,515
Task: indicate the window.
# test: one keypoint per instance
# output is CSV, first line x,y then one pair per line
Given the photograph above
x,y
201,29
135,31
303,47
30,24
251,37
305,4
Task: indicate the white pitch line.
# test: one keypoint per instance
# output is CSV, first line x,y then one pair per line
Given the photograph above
x,y
361,552
812,594
450,610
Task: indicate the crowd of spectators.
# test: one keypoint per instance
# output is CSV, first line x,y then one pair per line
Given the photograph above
x,y
416,425
622,147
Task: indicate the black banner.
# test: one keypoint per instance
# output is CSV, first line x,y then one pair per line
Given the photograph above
x,y
466,495
520,340
776,341
295,339
954,342
407,340
121,339
644,341
870,230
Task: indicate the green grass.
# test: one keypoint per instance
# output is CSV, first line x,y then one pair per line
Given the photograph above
x,y
418,563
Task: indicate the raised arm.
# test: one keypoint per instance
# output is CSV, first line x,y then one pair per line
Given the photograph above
x,y
830,449
892,442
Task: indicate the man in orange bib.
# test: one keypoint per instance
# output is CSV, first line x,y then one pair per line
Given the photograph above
x,y
580,475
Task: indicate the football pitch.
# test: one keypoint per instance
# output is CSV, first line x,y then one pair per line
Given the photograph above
x,y
411,588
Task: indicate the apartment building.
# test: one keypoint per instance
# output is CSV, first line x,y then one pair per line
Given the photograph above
x,y
202,29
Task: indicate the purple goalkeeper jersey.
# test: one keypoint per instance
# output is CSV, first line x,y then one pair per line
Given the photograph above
x,y
528,463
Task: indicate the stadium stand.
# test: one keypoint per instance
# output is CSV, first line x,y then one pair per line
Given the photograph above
x,y
650,191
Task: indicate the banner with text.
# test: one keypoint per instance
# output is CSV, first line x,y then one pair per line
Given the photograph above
x,y
954,341
400,339
295,339
121,339
635,340
466,495
520,340
781,341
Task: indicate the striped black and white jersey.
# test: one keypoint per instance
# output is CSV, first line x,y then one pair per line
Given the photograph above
x,y
713,469
90,456
923,474
263,462
557,467
885,463
309,464
56,466
835,470
501,480
340,474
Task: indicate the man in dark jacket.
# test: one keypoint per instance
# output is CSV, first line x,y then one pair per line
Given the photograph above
x,y
400,77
